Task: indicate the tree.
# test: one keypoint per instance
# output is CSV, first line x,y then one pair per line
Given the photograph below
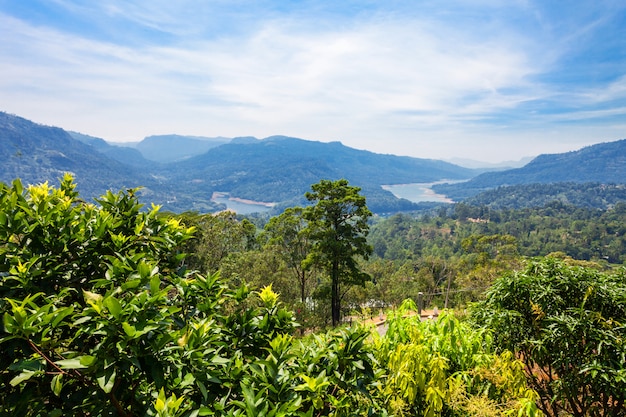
x,y
216,236
338,228
566,322
446,367
287,233
98,319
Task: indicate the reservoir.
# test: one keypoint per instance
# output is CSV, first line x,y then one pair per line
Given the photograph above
x,y
240,206
418,192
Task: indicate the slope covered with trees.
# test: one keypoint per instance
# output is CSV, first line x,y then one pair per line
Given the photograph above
x,y
101,318
602,163
281,169
277,169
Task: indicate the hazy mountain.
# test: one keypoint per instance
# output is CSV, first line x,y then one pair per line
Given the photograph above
x,y
276,169
37,153
172,148
488,166
603,163
126,155
281,168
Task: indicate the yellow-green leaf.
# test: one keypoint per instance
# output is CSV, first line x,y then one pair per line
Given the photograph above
x,y
94,300
57,384
129,329
114,306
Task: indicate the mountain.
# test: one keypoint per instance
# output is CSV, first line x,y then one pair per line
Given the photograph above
x,y
123,154
488,166
280,168
600,163
172,148
36,153
277,169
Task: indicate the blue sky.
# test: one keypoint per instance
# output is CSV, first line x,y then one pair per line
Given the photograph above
x,y
480,79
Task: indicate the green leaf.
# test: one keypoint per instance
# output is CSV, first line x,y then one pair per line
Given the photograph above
x,y
10,325
24,376
74,363
106,379
155,284
130,284
57,384
27,365
220,360
82,320
87,360
129,330
113,305
60,314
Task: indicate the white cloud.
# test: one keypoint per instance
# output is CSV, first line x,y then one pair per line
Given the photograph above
x,y
420,80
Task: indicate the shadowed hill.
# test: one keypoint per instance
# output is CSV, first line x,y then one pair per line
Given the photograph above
x,y
600,163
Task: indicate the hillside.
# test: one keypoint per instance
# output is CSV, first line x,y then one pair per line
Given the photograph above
x,y
37,153
277,169
123,154
602,163
281,168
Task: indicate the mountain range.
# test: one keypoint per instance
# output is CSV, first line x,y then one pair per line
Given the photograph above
x,y
601,163
183,173
276,169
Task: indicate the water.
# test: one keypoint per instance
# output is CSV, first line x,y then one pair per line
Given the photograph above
x,y
241,207
418,192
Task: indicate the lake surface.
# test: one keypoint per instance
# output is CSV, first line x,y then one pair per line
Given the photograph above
x,y
240,207
418,192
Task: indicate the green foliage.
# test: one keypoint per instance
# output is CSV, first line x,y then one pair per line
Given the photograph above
x,y
288,234
100,319
101,316
567,324
445,367
338,227
216,237
590,195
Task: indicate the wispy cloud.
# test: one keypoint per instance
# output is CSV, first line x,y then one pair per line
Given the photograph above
x,y
403,78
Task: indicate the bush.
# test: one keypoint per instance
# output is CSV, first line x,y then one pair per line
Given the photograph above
x,y
99,319
567,323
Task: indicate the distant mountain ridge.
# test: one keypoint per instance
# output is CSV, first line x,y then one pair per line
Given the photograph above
x,y
37,153
277,169
307,161
172,148
280,169
599,163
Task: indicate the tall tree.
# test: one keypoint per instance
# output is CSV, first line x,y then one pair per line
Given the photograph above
x,y
338,229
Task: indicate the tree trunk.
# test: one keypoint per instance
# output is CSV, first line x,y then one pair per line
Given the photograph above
x,y
335,301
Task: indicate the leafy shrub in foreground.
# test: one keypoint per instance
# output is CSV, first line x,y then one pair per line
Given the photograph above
x,y
445,367
99,319
568,324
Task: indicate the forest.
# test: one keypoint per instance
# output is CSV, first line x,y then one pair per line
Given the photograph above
x,y
117,309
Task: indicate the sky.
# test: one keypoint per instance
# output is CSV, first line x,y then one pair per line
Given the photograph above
x,y
479,79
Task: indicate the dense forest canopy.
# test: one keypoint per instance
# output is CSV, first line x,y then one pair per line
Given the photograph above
x,y
116,309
